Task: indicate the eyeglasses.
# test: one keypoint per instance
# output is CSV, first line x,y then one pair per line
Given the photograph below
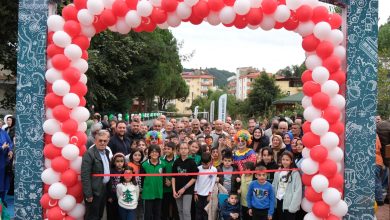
x,y
102,141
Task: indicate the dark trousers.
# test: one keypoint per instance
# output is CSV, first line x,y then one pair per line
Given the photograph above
x,y
169,207
244,213
112,209
94,210
125,214
152,209
259,214
281,214
201,214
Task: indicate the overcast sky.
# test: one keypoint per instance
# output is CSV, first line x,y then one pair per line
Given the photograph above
x,y
229,48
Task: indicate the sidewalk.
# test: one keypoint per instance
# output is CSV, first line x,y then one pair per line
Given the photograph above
x,y
383,212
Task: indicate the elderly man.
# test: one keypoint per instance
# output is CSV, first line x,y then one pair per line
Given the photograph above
x,y
163,120
119,143
173,121
226,127
296,130
168,131
217,132
229,120
179,127
95,161
283,127
186,122
195,125
237,125
157,125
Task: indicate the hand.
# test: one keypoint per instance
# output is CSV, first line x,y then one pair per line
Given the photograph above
x,y
250,212
5,145
175,195
196,198
270,217
235,215
168,182
89,199
10,154
239,191
181,191
110,200
238,179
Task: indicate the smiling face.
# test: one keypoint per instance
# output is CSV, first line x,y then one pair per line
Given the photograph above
x,y
286,139
257,134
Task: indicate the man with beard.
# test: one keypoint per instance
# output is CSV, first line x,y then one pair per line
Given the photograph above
x,y
119,142
195,125
207,129
237,125
217,132
134,131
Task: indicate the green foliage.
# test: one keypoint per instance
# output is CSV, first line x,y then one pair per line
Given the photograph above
x,y
383,106
171,108
292,71
221,76
384,40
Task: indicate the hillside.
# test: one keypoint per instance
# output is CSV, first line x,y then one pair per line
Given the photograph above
x,y
221,76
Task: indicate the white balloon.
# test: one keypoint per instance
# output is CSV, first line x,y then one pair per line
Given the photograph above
x,y
340,209
256,3
83,79
47,163
293,4
78,211
311,216
330,87
164,25
331,196
183,10
85,17
95,7
133,19
80,64
173,20
311,113
144,8
227,15
253,27
242,7
156,3
88,30
322,30
267,23
49,65
306,205
319,183
52,75
340,52
71,100
51,126
49,176
313,61
61,39
213,18
329,140
61,87
67,203
57,191
55,23
191,2
49,113
319,126
80,114
122,26
305,152
339,167
282,14
70,152
320,74
336,154
309,166
76,164
338,101
113,28
336,37
108,3
60,139
305,28
82,127
73,52
306,101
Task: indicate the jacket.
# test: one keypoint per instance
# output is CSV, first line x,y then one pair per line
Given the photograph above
x,y
118,145
92,164
293,195
228,208
235,184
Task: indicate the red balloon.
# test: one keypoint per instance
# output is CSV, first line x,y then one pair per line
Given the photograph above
x,y
79,88
338,76
319,153
60,61
99,25
69,126
158,16
76,190
332,63
78,139
310,88
108,18
169,5
254,16
85,55
215,5
82,150
47,202
335,21
333,217
46,189
50,151
201,9
240,22
69,178
55,213
119,8
306,76
71,75
60,164
61,112
337,181
310,140
328,168
50,37
331,114
73,28
83,101
69,12
312,195
320,13
310,43
53,50
324,49
306,179
52,100
132,4
69,217
304,13
80,4
321,209
320,100
82,41
195,20
229,2
292,23
278,25
49,87
337,127
269,6
47,138
306,126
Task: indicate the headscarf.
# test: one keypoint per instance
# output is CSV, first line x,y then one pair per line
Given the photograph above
x,y
288,146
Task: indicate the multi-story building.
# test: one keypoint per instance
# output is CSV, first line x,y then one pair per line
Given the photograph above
x,y
199,82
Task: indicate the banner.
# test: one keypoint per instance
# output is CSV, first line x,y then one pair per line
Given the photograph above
x,y
212,107
196,110
222,107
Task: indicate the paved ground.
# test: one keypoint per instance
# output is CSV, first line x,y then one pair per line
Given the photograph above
x,y
383,212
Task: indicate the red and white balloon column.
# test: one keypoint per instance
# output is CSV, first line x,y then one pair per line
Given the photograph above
x,y
68,40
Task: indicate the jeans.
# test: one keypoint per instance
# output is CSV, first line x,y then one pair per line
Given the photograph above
x,y
281,214
126,214
184,206
201,214
379,172
259,214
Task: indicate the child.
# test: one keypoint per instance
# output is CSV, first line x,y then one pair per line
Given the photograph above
x,y
169,209
209,140
153,185
246,179
136,157
194,152
267,160
216,160
261,197
231,207
183,186
204,186
288,189
117,167
229,181
128,193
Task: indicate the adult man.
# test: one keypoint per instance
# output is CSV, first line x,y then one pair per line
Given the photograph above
x,y
203,122
274,124
186,123
179,127
91,138
237,125
217,132
119,142
157,125
134,131
226,127
229,120
378,119
283,127
251,125
168,131
173,121
207,129
195,125
296,130
95,161
163,120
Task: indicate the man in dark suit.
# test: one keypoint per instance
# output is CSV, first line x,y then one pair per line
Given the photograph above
x,y
119,143
95,161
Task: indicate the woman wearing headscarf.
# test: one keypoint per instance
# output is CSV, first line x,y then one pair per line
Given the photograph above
x,y
259,140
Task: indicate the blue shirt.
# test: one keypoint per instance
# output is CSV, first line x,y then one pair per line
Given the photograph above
x,y
261,196
106,166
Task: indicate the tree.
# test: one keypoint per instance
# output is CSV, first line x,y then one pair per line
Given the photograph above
x,y
383,106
